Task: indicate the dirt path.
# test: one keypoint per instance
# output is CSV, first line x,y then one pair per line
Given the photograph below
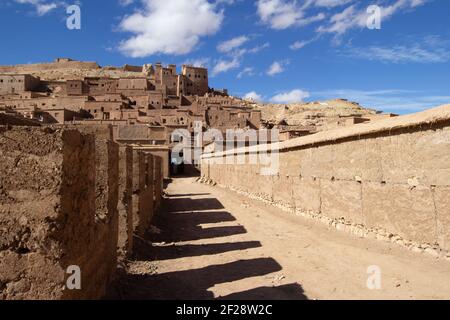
x,y
217,244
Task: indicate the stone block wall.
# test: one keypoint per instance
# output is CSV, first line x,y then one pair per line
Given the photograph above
x,y
390,178
66,200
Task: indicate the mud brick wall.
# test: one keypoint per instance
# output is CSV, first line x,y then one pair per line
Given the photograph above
x,y
143,191
146,194
125,207
164,155
53,184
162,152
103,255
391,176
106,204
6,119
31,68
103,132
138,187
150,188
158,180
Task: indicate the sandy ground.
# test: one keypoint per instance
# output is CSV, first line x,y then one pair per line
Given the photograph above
x,y
217,244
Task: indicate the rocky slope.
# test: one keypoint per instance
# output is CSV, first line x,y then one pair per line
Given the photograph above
x,y
321,115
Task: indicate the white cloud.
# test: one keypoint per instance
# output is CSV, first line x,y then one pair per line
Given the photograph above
x,y
330,3
228,2
253,96
293,96
356,16
258,48
225,65
125,3
200,62
282,14
172,27
298,45
241,52
232,44
248,71
277,67
235,54
42,7
398,54
45,8
350,17
431,49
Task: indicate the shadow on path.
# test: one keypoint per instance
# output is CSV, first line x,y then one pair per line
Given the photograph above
x,y
182,220
194,283
175,251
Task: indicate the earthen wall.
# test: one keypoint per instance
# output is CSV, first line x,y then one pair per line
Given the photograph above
x,y
390,178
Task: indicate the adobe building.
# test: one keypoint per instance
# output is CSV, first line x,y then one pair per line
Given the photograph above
x,y
17,83
194,81
152,94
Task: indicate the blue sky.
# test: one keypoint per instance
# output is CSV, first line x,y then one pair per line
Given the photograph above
x,y
272,50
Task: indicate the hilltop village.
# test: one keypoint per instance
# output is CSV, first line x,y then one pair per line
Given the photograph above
x,y
153,95
145,104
